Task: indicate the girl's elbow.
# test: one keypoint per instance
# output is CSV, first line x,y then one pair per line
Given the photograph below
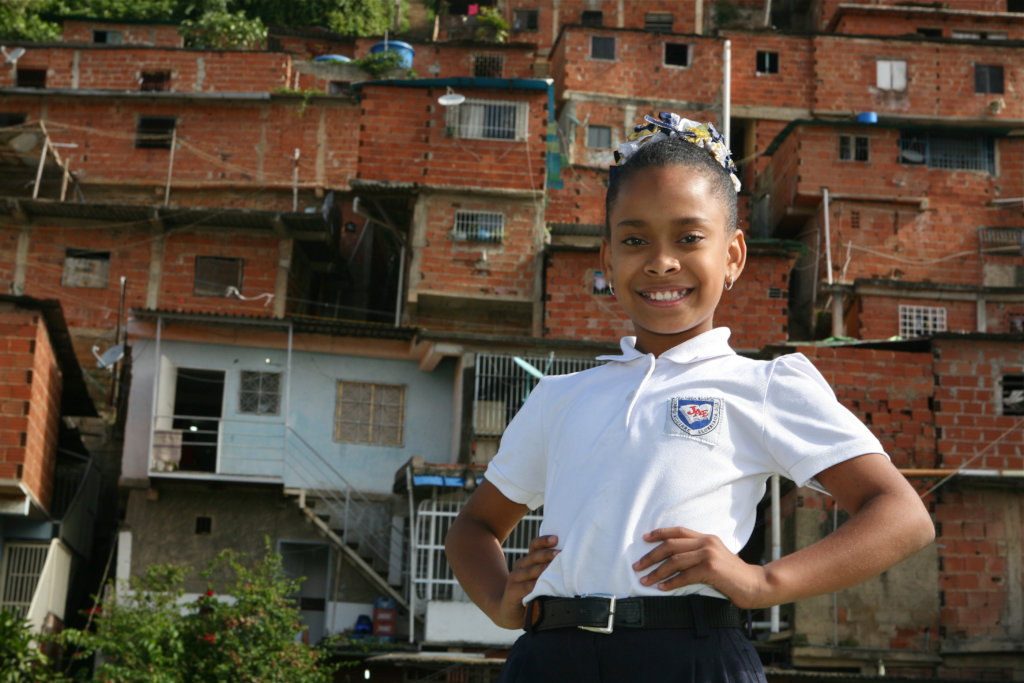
x,y
922,529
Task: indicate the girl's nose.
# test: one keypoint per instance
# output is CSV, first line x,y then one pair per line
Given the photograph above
x,y
662,263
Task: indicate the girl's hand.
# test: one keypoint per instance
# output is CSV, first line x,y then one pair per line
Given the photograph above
x,y
688,557
523,578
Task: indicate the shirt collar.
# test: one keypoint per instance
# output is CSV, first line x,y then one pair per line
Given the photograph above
x,y
710,344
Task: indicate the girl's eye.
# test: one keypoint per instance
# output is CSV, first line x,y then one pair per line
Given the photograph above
x,y
633,242
692,239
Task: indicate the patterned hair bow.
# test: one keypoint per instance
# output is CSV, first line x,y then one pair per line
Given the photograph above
x,y
667,125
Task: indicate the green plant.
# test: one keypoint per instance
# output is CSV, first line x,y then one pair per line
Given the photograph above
x,y
148,632
378,63
20,658
367,18
218,29
491,25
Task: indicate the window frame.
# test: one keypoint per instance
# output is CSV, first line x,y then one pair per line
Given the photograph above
x,y
463,121
1009,384
909,328
155,81
484,64
155,132
935,149
654,22
593,45
532,17
29,77
853,145
206,288
399,425
771,59
72,276
599,129
492,233
260,392
984,75
890,69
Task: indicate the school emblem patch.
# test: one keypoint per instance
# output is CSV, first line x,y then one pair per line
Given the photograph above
x,y
696,416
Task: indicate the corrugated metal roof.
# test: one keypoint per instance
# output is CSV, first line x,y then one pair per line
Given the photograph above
x,y
324,326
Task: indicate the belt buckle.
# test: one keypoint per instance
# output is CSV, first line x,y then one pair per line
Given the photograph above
x,y
611,614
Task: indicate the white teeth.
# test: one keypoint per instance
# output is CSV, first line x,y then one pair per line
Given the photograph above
x,y
666,295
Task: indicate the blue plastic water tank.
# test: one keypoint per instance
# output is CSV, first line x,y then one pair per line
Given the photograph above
x,y
867,117
332,58
405,50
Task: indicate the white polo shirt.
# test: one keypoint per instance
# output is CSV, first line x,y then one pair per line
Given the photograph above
x,y
687,439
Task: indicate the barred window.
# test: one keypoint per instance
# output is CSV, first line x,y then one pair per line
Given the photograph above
x,y
369,413
602,47
488,65
658,22
599,137
952,151
259,393
479,226
488,120
891,74
921,321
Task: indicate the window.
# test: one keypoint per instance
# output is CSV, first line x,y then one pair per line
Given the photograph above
x,y
1015,5
10,118
677,54
892,74
369,413
30,78
488,65
599,137
593,18
502,383
929,32
1013,394
950,151
216,276
86,268
488,120
978,35
988,78
1015,322
204,526
20,570
338,87
767,62
155,132
853,148
658,22
155,81
259,393
920,321
602,47
108,37
479,226
525,20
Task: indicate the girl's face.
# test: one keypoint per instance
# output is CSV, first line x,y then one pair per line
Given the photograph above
x,y
669,254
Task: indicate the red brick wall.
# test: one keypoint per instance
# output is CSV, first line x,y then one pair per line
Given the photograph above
x,y
30,387
581,200
455,267
573,311
240,145
120,68
969,403
440,60
163,35
792,86
403,139
890,391
899,24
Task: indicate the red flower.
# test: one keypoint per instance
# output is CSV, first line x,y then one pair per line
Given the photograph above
x,y
210,638
93,611
209,594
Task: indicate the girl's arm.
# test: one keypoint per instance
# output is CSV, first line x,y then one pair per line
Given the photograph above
x,y
887,524
473,546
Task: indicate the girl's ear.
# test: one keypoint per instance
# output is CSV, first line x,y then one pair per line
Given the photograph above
x,y
606,259
736,254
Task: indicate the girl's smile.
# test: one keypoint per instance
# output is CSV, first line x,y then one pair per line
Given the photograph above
x,y
669,254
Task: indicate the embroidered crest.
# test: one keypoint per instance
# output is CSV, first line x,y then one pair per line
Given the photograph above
x,y
696,416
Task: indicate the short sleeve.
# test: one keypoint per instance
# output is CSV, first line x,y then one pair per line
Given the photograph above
x,y
805,428
519,469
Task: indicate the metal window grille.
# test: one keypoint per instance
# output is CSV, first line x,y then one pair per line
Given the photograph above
x,y
602,47
855,220
259,393
22,567
599,137
488,65
369,413
959,152
479,226
502,385
432,576
1001,239
767,62
891,74
920,321
776,293
677,54
488,120
658,22
1013,394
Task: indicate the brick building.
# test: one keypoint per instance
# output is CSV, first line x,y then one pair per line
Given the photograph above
x,y
250,199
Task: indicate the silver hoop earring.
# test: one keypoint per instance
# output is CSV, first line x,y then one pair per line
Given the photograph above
x,y
729,283
611,288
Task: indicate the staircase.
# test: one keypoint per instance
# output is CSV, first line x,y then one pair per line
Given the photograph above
x,y
361,530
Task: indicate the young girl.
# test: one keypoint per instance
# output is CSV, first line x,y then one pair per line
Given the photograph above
x,y
650,467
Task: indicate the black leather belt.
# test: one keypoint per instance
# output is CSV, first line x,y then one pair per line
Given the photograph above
x,y
605,613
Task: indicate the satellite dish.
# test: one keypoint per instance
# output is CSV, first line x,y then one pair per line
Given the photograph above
x,y
451,99
23,143
14,55
108,357
912,156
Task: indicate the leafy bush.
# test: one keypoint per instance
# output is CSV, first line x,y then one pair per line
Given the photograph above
x,y
218,29
147,632
20,658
